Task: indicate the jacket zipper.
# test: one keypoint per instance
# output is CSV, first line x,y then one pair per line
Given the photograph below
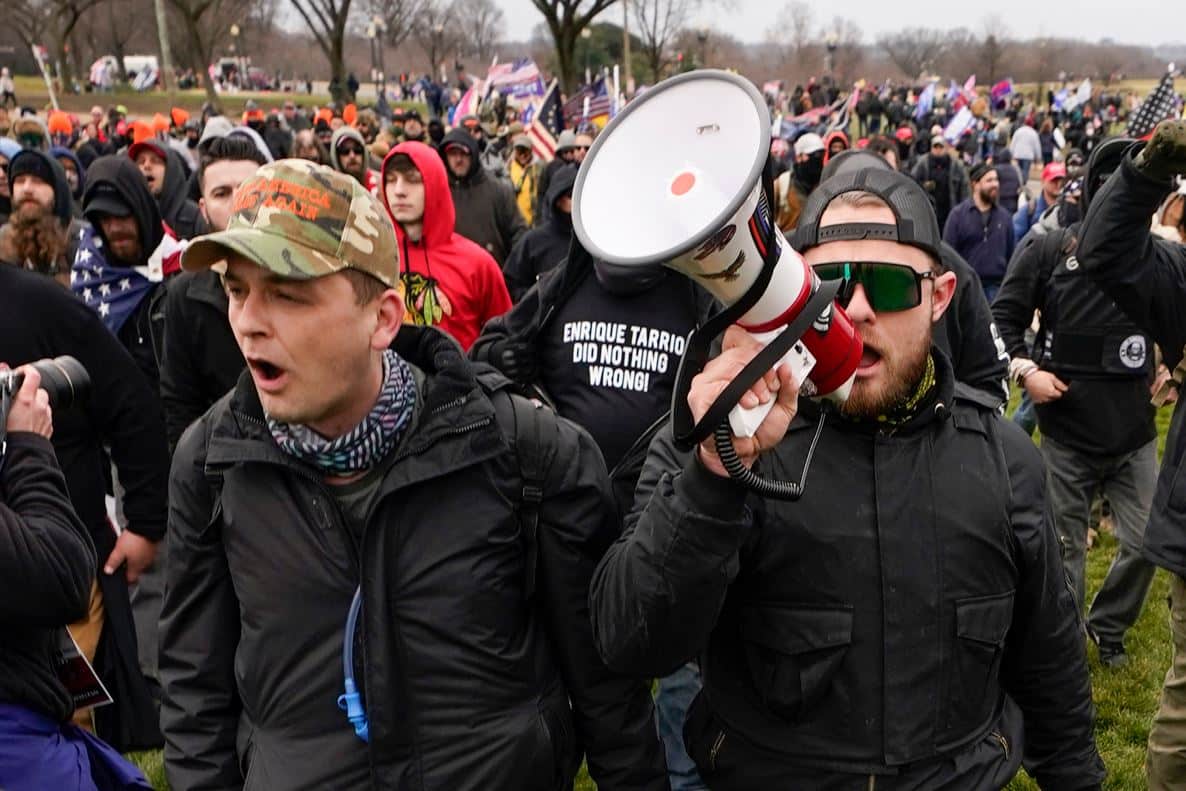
x,y
716,748
1003,742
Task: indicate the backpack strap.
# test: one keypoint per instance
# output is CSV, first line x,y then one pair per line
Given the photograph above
x,y
532,432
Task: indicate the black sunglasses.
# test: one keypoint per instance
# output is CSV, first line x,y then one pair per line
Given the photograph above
x,y
347,150
888,287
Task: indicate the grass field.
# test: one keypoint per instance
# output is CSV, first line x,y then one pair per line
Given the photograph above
x,y
1125,699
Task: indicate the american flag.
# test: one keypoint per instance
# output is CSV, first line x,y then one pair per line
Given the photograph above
x,y
599,103
545,123
1157,107
520,72
114,292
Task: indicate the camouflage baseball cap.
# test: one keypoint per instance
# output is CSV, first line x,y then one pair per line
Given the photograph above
x,y
303,220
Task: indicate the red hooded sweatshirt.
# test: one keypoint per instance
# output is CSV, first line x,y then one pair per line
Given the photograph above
x,y
449,282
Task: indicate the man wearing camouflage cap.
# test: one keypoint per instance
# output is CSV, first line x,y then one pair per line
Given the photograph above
x,y
352,518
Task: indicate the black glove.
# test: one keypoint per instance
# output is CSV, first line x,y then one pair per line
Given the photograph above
x,y
1164,155
515,359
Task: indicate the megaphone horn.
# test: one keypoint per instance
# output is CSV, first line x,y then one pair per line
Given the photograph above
x,y
676,179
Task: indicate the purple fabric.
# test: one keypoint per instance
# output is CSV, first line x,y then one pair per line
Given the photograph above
x,y
37,753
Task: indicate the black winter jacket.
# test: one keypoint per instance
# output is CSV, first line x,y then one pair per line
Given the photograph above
x,y
47,565
967,335
1146,277
201,360
466,686
544,247
487,213
39,318
883,624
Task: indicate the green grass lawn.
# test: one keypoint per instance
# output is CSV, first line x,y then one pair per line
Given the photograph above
x,y
1125,699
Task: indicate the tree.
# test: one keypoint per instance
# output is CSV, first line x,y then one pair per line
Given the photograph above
x,y
657,23
914,50
849,53
204,24
483,25
795,26
57,19
328,21
435,29
399,18
994,46
565,20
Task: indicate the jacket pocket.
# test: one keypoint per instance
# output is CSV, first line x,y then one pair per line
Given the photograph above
x,y
793,652
981,624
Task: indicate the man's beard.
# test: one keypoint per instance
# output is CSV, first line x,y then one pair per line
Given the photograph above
x,y
902,375
989,198
34,238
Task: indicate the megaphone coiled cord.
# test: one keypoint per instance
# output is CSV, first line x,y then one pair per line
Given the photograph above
x,y
763,487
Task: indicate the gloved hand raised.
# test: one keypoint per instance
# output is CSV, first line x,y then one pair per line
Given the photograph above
x,y
1164,155
515,359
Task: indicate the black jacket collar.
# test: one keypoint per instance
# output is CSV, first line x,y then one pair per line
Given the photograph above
x,y
456,419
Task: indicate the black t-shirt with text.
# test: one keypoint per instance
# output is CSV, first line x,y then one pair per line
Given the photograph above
x,y
609,360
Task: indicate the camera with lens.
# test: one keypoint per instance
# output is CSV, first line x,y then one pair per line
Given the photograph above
x,y
63,378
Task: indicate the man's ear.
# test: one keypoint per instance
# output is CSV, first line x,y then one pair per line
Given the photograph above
x,y
389,313
944,291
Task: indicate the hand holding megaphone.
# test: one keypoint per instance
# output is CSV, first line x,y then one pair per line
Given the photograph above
x,y
776,394
681,178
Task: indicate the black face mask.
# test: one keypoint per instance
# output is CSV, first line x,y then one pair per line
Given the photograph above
x,y
626,280
808,173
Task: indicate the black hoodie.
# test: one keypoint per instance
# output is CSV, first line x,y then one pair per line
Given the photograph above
x,y
546,246
487,212
118,177
181,213
46,165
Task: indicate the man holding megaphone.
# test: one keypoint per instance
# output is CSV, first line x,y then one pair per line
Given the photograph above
x,y
906,623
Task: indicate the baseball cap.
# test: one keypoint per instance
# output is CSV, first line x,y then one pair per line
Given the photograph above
x,y
302,220
412,115
104,198
523,141
938,140
914,218
1055,170
808,144
152,145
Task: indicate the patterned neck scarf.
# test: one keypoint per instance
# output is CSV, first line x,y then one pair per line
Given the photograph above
x,y
368,443
905,411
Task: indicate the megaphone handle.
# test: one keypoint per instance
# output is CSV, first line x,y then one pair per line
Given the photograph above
x,y
744,421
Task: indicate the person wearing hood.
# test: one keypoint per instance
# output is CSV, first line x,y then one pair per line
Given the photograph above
x,y
490,158
449,281
565,155
544,247
41,234
835,143
348,154
121,264
9,148
486,210
943,177
167,180
75,174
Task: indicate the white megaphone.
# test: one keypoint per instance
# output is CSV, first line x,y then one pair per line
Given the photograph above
x,y
676,179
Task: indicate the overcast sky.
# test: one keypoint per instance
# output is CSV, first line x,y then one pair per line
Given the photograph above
x,y
1139,22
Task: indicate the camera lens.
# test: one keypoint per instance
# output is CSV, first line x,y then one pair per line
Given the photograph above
x,y
64,379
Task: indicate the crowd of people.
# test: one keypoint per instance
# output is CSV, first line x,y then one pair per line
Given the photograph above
x,y
376,485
